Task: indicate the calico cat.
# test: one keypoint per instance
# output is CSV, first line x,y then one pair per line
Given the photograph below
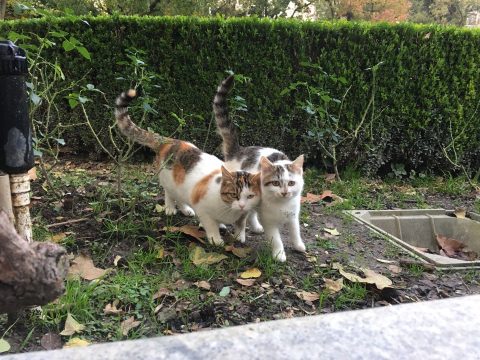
x,y
195,182
281,179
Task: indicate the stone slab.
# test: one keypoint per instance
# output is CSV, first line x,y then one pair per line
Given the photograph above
x,y
442,329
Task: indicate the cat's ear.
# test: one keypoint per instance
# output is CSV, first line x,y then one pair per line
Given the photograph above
x,y
298,163
256,178
265,164
226,175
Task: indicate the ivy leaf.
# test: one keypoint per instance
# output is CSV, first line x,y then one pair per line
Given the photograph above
x,y
67,45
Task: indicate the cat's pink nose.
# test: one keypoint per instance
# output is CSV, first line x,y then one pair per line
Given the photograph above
x,y
284,194
241,206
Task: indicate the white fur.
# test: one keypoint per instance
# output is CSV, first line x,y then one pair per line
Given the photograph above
x,y
280,205
211,209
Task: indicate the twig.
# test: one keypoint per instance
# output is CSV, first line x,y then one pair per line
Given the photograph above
x,y
66,222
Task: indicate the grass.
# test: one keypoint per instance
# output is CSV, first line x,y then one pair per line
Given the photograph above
x,y
130,227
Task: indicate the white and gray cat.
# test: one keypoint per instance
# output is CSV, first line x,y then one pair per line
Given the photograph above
x,y
195,182
281,179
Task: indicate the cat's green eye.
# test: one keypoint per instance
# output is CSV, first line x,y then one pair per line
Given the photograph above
x,y
276,183
291,183
251,196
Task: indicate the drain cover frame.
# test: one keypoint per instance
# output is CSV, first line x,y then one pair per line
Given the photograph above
x,y
431,216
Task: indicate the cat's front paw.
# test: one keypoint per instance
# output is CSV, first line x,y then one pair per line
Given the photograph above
x,y
216,241
187,210
279,255
257,229
169,210
300,246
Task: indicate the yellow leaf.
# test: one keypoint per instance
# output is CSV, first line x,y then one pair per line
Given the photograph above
x,y
160,252
201,258
76,342
331,231
460,213
83,266
56,238
159,208
128,324
371,277
72,326
333,286
251,273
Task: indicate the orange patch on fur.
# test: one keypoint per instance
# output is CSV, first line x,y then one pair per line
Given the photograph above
x,y
201,187
184,146
164,149
178,174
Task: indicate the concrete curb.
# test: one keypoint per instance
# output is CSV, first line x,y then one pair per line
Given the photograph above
x,y
442,329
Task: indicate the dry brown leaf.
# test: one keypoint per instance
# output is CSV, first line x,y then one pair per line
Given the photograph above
x,y
72,326
395,269
203,285
333,286
32,173
449,245
161,292
313,198
246,282
200,257
116,260
371,277
128,325
251,273
83,266
111,309
191,230
307,296
460,213
421,249
51,341
330,178
241,252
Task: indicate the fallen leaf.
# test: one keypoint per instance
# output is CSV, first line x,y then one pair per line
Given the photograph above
x,y
421,249
159,208
160,293
460,213
200,257
371,277
116,260
191,230
72,326
51,341
246,282
56,238
32,173
313,198
333,286
225,291
160,252
330,178
307,296
203,285
383,261
331,231
128,325
251,273
83,266
182,284
395,269
111,309
449,245
4,346
241,252
76,342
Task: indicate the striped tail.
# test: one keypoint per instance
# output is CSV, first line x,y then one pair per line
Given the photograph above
x,y
129,128
225,127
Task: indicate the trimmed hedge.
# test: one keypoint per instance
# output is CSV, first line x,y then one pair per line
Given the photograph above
x,y
427,87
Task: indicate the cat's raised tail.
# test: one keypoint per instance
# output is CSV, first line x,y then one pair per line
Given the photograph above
x,y
130,129
225,127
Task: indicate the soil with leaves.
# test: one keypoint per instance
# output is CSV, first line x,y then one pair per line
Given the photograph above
x,y
136,272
